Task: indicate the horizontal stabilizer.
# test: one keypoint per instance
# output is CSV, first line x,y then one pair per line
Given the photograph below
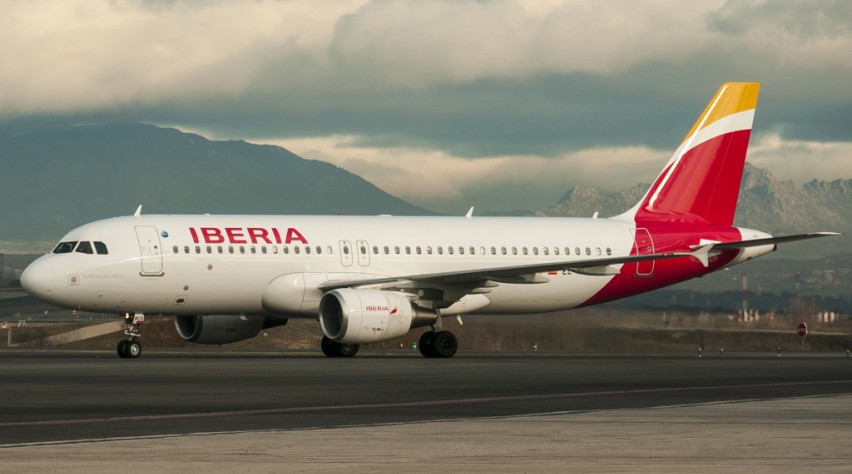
x,y
702,252
771,240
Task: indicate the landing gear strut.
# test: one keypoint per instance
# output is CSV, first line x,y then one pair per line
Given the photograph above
x,y
131,348
336,349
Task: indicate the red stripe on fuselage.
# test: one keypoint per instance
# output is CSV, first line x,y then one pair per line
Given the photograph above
x,y
669,237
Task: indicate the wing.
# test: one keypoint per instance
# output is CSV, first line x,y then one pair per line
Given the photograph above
x,y
441,290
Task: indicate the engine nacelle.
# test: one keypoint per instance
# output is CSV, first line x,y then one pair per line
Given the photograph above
x,y
223,329
352,316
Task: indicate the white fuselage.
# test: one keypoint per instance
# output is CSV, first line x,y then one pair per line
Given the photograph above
x,y
224,264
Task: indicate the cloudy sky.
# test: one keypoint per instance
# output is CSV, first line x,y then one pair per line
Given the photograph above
x,y
499,104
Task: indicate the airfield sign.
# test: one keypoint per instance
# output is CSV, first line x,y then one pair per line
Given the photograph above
x,y
802,331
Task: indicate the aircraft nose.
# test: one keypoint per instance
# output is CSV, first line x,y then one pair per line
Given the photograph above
x,y
38,279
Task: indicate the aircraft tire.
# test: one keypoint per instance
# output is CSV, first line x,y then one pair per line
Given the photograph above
x,y
347,350
327,346
444,344
133,349
122,349
336,349
425,344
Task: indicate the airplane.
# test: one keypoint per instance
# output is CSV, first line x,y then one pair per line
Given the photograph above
x,y
368,279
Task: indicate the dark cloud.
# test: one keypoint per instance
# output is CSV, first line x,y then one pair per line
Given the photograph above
x,y
806,20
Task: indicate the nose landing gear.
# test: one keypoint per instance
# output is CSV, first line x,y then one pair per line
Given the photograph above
x,y
131,348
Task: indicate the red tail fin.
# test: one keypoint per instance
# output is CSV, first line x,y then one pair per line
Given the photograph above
x,y
702,179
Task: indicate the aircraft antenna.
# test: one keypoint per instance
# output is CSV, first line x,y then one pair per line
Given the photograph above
x,y
138,211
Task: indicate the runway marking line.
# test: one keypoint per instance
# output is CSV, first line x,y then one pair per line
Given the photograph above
x,y
440,420
425,403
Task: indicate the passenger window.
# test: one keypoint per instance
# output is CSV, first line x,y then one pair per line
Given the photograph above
x,y
555,250
396,249
263,249
85,247
209,249
597,250
418,250
375,250
197,249
286,250
219,248
345,250
101,248
588,251
319,250
230,249
608,251
242,249
503,250
493,251
253,249
175,249
329,250
296,249
407,250
185,248
567,251
481,250
65,247
545,250
275,250
440,250
363,250
450,250
307,249
577,250
387,250
514,250
429,249
461,250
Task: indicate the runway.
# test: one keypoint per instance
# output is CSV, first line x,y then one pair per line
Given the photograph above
x,y
59,397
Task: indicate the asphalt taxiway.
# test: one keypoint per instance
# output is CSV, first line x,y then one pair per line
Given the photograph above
x,y
84,410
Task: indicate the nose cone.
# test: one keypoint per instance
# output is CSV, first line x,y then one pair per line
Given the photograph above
x,y
38,279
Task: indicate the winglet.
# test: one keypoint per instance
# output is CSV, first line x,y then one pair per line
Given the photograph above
x,y
138,211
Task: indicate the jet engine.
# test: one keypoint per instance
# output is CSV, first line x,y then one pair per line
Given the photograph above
x,y
223,329
351,316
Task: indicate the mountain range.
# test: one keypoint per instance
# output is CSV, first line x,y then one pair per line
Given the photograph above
x,y
58,177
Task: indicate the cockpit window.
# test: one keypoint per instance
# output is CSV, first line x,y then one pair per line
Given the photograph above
x,y
101,248
85,247
65,247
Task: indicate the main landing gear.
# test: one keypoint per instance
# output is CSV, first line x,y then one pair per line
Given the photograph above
x,y
336,349
438,344
131,348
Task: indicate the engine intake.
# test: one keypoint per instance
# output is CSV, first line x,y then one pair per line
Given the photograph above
x,y
353,316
